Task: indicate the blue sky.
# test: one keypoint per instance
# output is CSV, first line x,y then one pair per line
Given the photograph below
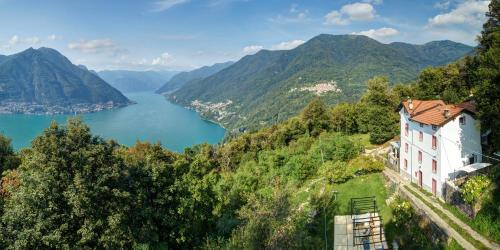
x,y
185,34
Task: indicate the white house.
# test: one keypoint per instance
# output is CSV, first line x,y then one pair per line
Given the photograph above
x,y
437,140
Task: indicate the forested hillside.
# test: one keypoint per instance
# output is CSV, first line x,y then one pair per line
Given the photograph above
x,y
274,85
183,78
45,77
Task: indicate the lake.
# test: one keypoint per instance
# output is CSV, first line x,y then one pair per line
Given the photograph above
x,y
152,119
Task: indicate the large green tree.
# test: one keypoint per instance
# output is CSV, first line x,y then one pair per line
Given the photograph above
x,y
71,194
487,74
8,159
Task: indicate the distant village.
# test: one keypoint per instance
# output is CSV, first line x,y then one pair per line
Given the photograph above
x,y
40,109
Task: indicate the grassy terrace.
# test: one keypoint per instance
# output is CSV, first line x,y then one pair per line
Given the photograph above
x,y
362,186
450,222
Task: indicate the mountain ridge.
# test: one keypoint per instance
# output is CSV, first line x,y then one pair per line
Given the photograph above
x,y
129,81
45,81
259,87
178,80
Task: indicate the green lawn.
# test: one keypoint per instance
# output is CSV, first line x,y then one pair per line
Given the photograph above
x,y
363,186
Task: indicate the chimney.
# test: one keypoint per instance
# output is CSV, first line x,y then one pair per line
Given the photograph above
x,y
446,113
410,103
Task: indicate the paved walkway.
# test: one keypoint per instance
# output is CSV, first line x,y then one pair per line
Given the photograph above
x,y
436,218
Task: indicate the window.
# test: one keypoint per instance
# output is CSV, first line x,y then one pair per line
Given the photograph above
x,y
472,159
420,156
462,120
406,164
434,166
421,136
406,147
434,142
434,127
421,125
406,129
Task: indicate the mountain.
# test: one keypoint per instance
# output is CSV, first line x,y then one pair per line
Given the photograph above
x,y
271,85
2,58
195,75
433,53
136,81
43,80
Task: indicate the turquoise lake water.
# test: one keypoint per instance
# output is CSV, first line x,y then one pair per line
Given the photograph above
x,y
153,119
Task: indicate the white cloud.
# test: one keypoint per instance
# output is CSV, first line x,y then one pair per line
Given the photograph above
x,y
252,49
294,15
445,4
359,11
379,34
335,18
467,13
94,46
163,60
350,12
33,40
288,45
54,37
376,2
163,5
14,40
17,40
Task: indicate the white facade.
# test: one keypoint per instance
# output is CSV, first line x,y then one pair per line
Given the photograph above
x,y
456,144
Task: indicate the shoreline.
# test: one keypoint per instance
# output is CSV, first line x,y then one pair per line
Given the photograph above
x,y
39,109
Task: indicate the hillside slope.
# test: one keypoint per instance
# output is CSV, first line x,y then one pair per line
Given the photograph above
x,y
270,85
43,80
182,78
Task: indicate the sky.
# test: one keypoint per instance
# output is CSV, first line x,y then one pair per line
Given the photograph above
x,y
186,34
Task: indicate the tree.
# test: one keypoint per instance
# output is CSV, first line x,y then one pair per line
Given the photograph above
x,y
487,74
71,194
8,159
316,117
344,118
379,93
487,39
448,83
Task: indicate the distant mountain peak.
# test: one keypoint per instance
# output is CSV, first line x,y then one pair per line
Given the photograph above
x,y
183,78
39,80
257,87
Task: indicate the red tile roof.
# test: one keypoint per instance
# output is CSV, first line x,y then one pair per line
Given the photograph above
x,y
431,112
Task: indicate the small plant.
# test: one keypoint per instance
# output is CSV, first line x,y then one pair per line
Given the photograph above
x,y
474,188
402,211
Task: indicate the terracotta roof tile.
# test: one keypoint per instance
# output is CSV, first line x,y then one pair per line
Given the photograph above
x,y
432,112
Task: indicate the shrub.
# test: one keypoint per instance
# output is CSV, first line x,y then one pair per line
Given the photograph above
x,y
402,211
366,164
474,188
335,172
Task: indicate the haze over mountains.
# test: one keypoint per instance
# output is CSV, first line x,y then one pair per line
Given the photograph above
x,y
128,81
182,78
270,85
43,80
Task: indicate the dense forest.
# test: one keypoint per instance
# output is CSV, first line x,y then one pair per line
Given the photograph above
x,y
260,190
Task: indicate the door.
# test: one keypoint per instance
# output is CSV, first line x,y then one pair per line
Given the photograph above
x,y
420,178
434,184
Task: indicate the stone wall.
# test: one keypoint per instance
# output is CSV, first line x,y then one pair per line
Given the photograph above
x,y
430,229
453,196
